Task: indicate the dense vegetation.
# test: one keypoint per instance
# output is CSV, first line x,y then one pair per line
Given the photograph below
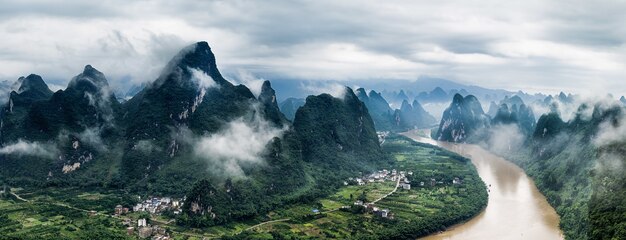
x,y
332,138
583,179
83,137
417,212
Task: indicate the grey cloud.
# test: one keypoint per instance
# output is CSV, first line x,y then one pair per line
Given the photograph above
x,y
547,46
67,9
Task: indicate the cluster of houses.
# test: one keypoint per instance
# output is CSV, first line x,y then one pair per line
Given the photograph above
x,y
434,182
382,176
384,213
157,205
145,230
385,175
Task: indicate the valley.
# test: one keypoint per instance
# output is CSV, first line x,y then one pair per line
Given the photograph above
x,y
310,138
443,189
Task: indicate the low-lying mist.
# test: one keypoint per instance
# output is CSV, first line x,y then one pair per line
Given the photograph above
x,y
240,144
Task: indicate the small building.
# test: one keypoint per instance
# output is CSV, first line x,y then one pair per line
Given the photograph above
x,y
406,186
138,207
433,182
158,230
421,184
384,213
456,181
142,222
118,210
358,203
145,232
360,182
126,222
130,231
316,211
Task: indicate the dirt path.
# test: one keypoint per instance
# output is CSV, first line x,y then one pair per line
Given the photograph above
x,y
394,190
268,222
18,197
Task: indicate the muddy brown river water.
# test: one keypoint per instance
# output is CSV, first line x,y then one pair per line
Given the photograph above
x,y
516,208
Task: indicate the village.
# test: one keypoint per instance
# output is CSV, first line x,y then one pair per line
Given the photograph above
x,y
401,178
154,206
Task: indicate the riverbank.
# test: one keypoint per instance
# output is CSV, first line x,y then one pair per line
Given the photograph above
x,y
516,208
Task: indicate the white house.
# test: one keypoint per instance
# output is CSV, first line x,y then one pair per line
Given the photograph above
x,y
141,222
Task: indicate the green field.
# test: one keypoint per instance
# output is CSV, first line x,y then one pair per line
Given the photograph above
x,y
44,217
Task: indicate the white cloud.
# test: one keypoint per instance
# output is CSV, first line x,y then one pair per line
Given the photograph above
x,y
203,80
240,144
91,136
246,78
608,133
37,149
316,88
505,138
146,146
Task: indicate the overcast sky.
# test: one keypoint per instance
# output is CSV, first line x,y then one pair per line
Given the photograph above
x,y
575,46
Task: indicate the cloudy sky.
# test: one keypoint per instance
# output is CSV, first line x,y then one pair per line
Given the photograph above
x,y
576,46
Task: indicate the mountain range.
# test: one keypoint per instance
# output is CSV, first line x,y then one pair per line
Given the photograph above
x,y
190,127
567,159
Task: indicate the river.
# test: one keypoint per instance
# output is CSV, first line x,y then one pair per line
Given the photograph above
x,y
516,208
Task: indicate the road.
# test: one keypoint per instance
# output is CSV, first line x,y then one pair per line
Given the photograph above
x,y
268,222
18,197
332,210
394,190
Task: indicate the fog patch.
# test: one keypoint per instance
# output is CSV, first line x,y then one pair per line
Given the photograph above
x,y
203,80
610,163
334,89
436,109
505,138
146,146
91,136
253,83
26,148
241,143
610,132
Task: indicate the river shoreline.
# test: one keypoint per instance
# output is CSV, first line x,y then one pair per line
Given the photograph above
x,y
516,208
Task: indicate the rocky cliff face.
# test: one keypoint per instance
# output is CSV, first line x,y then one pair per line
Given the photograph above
x,y
462,120
337,131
